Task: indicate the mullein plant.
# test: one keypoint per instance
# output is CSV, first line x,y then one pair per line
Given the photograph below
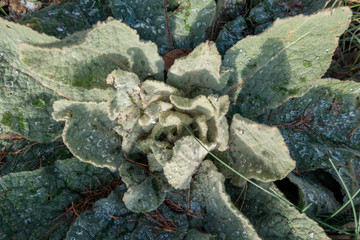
x,y
103,93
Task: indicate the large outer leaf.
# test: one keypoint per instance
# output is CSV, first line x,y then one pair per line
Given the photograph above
x,y
29,201
231,33
274,219
91,138
24,155
256,151
110,219
84,60
188,22
26,104
199,69
265,12
283,62
61,20
322,124
222,218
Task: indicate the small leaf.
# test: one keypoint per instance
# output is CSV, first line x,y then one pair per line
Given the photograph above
x,y
145,193
200,69
186,158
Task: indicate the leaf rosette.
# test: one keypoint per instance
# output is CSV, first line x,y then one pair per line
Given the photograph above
x,y
109,101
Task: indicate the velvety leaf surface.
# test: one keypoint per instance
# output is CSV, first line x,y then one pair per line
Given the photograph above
x,y
22,155
232,32
322,124
91,138
265,12
26,104
256,151
284,61
145,192
84,60
222,217
186,158
194,234
311,191
61,20
29,201
199,69
188,21
274,219
110,219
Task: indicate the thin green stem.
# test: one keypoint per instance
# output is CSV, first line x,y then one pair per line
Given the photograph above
x,y
350,198
274,193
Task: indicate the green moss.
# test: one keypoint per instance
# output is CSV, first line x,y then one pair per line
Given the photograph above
x,y
303,79
6,119
22,123
294,90
78,84
307,64
38,102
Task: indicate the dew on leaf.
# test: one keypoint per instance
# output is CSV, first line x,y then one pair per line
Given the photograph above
x,y
60,29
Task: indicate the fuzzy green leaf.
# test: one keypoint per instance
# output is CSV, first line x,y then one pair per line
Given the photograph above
x,y
24,155
145,193
84,60
284,61
265,12
110,219
274,219
186,158
188,21
30,201
231,33
324,124
200,69
91,139
26,104
222,218
256,151
60,20
194,234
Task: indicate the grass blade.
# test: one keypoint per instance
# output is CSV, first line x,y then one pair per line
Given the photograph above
x,y
350,199
343,206
274,193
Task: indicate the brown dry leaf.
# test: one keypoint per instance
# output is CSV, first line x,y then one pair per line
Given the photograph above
x,y
170,57
18,8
